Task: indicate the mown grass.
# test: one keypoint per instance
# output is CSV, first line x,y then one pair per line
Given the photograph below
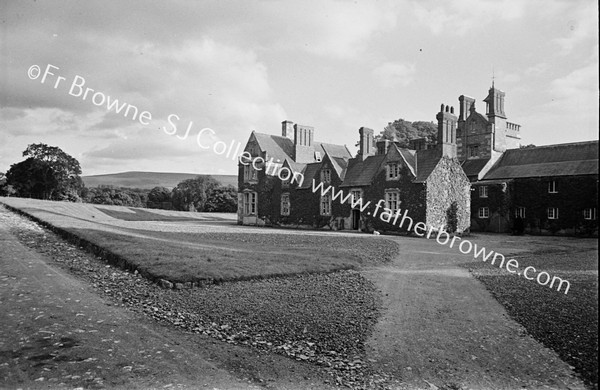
x,y
566,323
143,215
218,257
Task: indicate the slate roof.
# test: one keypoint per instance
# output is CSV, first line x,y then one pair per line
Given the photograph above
x,y
340,165
309,173
427,160
473,167
281,148
277,147
361,173
579,158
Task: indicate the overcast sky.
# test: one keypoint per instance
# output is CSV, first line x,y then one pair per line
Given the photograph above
x,y
239,66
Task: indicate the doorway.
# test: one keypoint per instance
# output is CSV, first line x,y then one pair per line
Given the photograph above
x,y
355,219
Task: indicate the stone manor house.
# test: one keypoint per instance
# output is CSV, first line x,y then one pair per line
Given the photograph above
x,y
476,177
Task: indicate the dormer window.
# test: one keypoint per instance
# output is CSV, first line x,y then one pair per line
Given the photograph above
x,y
393,171
326,175
552,189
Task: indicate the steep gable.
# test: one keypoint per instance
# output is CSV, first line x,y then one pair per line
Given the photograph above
x,y
427,160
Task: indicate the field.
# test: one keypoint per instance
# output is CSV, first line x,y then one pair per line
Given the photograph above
x,y
149,180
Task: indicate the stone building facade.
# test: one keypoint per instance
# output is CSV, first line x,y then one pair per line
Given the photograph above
x,y
551,188
476,177
397,187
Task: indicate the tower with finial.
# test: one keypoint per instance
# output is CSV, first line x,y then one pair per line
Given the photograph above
x,y
494,103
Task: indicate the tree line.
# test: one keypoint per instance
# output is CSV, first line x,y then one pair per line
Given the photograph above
x,y
51,174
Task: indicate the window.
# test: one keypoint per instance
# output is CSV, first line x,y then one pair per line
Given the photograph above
x,y
552,213
326,175
552,187
520,212
326,205
483,191
317,156
285,204
393,171
484,212
356,195
590,214
250,174
249,203
392,200
474,151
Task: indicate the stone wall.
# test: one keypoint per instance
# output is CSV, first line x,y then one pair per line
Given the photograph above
x,y
448,196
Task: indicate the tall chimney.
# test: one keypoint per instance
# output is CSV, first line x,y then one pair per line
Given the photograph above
x,y
366,148
447,123
303,141
287,129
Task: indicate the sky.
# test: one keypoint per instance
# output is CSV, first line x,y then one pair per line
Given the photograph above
x,y
231,67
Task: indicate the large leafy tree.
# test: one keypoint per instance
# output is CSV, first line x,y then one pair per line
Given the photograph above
x,y
5,188
159,195
32,179
192,194
402,131
47,173
222,199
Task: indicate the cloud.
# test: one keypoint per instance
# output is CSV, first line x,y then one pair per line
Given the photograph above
x,y
461,17
331,28
392,74
577,26
573,96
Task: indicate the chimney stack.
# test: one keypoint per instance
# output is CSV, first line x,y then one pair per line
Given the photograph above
x,y
366,147
287,129
447,123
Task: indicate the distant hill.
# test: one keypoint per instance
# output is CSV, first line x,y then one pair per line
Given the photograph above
x,y
148,180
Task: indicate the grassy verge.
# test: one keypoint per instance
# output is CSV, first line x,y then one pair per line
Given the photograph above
x,y
566,323
218,257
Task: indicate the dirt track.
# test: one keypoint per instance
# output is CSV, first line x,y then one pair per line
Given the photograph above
x,y
443,328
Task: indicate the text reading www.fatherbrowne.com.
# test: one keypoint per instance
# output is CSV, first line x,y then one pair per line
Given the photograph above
x,y
442,237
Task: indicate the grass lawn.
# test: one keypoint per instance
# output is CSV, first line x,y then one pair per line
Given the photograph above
x,y
179,256
217,257
566,323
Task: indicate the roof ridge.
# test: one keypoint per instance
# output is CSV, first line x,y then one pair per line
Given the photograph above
x,y
557,145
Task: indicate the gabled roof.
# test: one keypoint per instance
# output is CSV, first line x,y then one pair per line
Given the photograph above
x,y
477,117
361,172
409,157
281,148
579,158
474,166
334,150
309,173
277,147
427,160
340,165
